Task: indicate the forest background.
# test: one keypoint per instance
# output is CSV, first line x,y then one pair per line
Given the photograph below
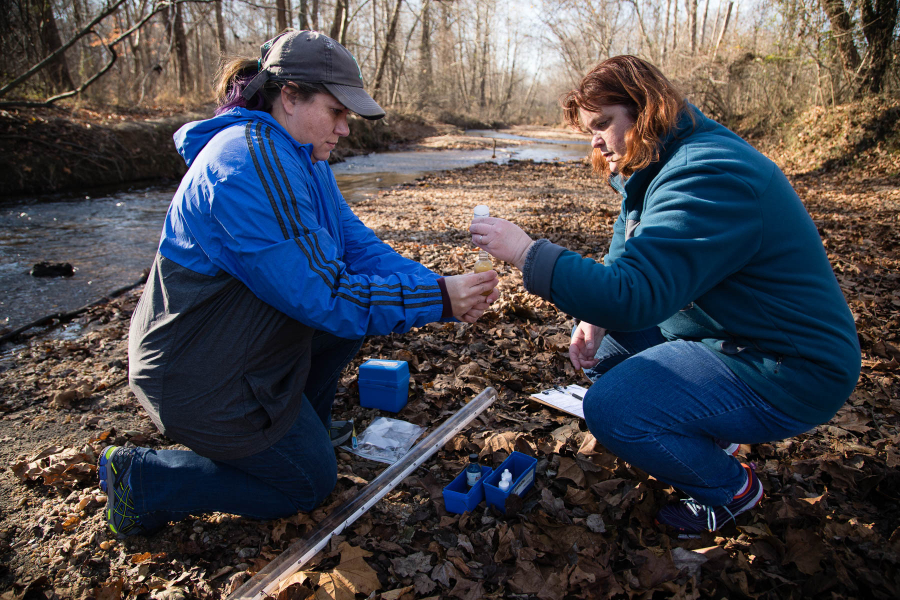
x,y
752,65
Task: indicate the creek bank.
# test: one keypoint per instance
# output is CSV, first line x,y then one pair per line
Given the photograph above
x,y
59,150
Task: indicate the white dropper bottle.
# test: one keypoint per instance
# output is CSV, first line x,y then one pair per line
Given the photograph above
x,y
484,262
505,480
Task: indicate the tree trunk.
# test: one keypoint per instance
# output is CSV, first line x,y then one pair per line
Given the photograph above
x,y
474,62
724,27
388,44
842,30
335,32
220,30
375,31
314,15
182,60
58,70
426,75
281,14
692,24
675,27
703,23
482,100
302,16
879,21
665,40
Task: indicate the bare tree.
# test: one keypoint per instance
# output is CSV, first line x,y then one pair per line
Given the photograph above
x,y
302,15
878,23
221,45
388,46
282,8
692,24
175,28
724,27
58,70
426,75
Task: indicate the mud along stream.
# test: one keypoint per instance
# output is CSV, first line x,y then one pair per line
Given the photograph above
x,y
111,239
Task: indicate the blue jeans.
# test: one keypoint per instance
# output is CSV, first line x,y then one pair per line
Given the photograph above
x,y
661,405
295,474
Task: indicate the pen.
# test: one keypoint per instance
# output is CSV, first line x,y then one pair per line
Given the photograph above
x,y
567,392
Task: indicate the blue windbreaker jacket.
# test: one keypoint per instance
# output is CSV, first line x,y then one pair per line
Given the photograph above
x,y
254,205
259,252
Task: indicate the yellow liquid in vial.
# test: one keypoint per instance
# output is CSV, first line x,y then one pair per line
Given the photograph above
x,y
482,265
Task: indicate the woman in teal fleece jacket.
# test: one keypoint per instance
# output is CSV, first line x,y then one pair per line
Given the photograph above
x,y
715,318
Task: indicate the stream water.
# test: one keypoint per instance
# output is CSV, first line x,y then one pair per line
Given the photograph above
x,y
110,239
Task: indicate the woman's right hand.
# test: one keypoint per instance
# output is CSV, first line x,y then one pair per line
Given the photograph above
x,y
585,341
502,239
465,292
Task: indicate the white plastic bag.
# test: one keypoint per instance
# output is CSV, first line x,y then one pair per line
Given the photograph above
x,y
386,440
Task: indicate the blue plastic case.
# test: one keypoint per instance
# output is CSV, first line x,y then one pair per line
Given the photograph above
x,y
384,384
521,466
459,497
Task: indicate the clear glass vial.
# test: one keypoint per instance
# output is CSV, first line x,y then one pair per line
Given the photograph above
x,y
484,262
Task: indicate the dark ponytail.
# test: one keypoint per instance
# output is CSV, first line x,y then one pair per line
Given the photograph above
x,y
236,73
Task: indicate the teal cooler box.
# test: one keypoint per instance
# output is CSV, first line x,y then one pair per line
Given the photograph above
x,y
384,384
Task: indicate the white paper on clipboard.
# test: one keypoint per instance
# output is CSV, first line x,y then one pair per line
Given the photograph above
x,y
563,400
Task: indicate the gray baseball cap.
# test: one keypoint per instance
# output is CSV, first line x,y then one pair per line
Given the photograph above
x,y
312,57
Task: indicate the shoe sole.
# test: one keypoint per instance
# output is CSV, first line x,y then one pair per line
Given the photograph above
x,y
345,434
107,464
732,449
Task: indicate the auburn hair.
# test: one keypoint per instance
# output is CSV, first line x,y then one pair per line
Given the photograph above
x,y
652,101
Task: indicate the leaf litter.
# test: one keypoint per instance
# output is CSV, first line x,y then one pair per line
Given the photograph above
x,y
829,524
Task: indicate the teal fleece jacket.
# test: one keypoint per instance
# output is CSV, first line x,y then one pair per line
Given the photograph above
x,y
713,245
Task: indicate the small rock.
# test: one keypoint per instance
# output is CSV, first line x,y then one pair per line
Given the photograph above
x,y
247,552
48,269
595,523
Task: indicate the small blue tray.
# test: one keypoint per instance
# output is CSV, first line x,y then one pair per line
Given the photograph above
x,y
521,466
460,498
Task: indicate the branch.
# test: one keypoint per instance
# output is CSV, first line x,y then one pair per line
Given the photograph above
x,y
160,6
97,75
15,82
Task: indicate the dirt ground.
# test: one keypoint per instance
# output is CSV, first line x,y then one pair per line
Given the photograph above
x,y
829,525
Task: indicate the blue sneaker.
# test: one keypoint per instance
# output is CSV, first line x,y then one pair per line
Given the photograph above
x,y
341,431
114,470
690,517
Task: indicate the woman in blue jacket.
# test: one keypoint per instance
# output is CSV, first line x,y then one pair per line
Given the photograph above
x,y
264,285
715,318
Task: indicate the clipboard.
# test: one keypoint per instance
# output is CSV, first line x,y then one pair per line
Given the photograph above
x,y
567,399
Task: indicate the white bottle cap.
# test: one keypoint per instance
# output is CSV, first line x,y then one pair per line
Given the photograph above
x,y
482,211
506,476
504,484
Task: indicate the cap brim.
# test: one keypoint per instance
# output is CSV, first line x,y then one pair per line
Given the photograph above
x,y
356,99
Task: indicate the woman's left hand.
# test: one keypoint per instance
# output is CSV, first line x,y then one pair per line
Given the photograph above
x,y
501,239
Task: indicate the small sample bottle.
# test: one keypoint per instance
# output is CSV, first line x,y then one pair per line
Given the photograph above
x,y
505,480
473,471
484,262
